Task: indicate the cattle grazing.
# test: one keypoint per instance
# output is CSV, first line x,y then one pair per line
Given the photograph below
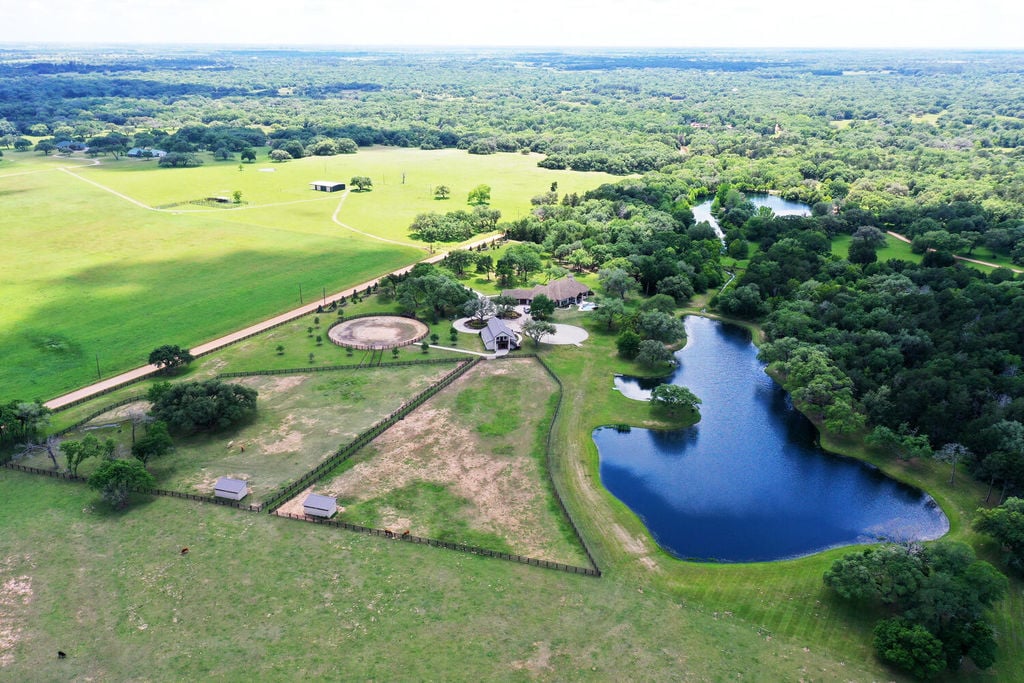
x,y
184,551
405,534
61,654
389,533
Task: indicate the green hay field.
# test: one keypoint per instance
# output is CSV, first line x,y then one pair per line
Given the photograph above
x,y
92,278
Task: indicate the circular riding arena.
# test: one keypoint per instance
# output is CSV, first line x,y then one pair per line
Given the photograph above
x,y
377,332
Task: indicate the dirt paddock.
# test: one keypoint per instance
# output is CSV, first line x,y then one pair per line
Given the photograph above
x,y
378,332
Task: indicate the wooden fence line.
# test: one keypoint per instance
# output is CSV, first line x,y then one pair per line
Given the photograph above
x,y
97,413
67,476
200,355
254,373
287,491
551,469
336,368
55,474
447,545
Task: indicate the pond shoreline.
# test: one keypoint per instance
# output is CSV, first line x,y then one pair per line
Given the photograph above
x,y
753,472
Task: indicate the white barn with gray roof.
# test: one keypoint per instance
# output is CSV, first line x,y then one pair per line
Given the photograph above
x,y
498,336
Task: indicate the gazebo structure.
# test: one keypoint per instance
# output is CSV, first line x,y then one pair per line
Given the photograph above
x,y
232,489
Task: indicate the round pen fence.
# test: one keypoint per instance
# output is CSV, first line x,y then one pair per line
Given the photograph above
x,y
364,332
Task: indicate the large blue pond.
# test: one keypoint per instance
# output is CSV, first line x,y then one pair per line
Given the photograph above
x,y
749,481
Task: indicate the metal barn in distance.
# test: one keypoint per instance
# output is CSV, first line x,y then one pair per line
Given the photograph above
x,y
327,185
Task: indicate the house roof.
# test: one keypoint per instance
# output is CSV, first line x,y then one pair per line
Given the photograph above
x,y
518,293
231,485
318,502
496,327
565,288
556,290
328,183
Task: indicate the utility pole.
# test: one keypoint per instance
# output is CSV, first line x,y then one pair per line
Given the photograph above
x,y
300,294
98,375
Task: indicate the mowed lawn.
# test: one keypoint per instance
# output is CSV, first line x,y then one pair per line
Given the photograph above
x,y
93,279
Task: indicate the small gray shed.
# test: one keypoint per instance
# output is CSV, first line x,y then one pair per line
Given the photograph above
x,y
232,489
316,505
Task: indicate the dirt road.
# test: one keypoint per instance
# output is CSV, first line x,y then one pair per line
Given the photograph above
x,y
147,370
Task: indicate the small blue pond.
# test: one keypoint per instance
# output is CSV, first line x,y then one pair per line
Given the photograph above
x,y
749,482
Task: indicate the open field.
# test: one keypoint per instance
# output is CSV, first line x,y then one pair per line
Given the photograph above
x,y
466,467
259,597
893,249
896,249
93,278
277,595
296,339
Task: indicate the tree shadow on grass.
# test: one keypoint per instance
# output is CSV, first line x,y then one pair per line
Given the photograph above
x,y
112,316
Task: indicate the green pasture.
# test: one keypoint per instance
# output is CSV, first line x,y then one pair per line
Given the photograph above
x,y
260,353
897,249
986,254
94,279
260,597
281,595
403,186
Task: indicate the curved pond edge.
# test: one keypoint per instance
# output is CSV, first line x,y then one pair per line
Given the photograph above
x,y
842,449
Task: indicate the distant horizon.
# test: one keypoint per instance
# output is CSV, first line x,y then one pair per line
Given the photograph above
x,y
988,25
439,48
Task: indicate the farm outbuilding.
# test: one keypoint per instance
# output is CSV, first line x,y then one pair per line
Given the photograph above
x,y
327,185
232,489
498,336
316,505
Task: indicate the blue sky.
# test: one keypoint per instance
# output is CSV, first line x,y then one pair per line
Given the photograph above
x,y
989,24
